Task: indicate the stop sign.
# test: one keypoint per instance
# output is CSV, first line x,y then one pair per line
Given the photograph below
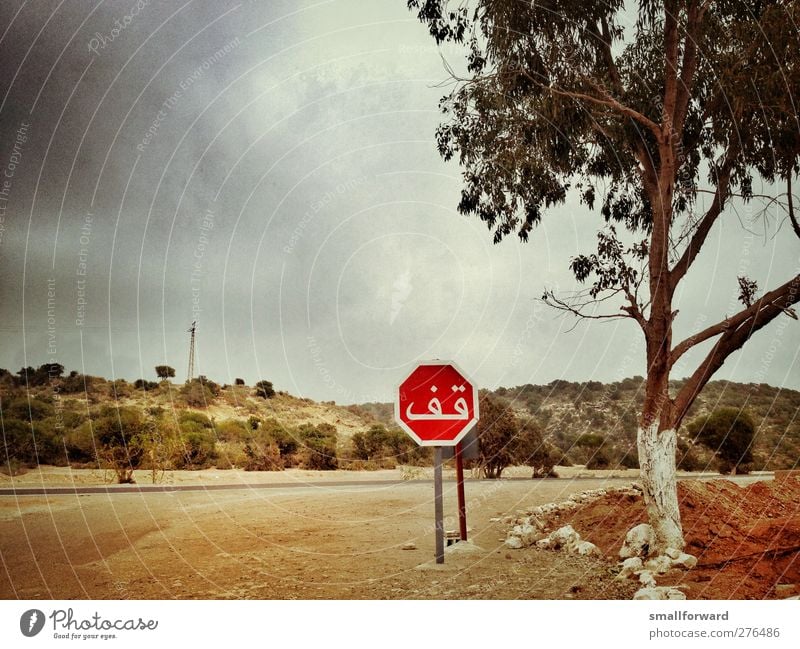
x,y
437,404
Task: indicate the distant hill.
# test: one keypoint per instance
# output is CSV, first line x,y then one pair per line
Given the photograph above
x,y
573,415
50,418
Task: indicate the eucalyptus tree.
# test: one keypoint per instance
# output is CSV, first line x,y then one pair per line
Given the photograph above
x,y
658,115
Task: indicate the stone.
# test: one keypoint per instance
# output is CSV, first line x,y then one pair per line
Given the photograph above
x,y
514,542
585,549
647,579
659,564
672,553
631,566
658,592
564,537
543,544
409,546
684,560
638,542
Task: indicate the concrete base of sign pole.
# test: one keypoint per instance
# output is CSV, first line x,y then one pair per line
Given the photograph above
x,y
438,504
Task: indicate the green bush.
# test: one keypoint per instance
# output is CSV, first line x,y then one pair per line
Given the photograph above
x,y
265,390
196,395
262,454
120,443
232,430
319,447
729,433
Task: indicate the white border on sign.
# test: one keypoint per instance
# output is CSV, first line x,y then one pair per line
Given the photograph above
x,y
467,427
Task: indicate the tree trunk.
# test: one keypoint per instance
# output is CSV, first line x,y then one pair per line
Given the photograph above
x,y
657,463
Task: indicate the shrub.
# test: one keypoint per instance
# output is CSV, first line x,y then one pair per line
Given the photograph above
x,y
239,382
165,372
196,449
28,409
262,454
196,395
729,433
497,431
119,441
232,430
319,447
265,390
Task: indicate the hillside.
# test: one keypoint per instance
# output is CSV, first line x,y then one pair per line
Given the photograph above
x,y
579,418
78,420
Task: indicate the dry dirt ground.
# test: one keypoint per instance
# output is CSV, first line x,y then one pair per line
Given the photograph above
x,y
746,537
318,541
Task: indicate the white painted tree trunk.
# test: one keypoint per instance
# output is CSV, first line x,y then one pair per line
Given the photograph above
x,y
657,463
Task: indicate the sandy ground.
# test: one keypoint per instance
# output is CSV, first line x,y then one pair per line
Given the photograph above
x,y
284,542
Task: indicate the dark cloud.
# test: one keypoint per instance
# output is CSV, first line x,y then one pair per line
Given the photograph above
x,y
269,169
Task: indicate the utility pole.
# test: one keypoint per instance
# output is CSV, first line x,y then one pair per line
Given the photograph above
x,y
191,330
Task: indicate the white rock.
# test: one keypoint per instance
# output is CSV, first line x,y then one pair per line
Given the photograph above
x,y
672,553
631,566
584,548
409,546
647,579
659,592
684,560
544,544
659,564
514,542
638,542
564,537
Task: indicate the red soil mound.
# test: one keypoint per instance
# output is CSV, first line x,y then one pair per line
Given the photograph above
x,y
746,539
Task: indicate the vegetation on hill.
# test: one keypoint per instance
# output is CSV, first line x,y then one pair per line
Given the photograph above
x,y
49,417
86,421
595,423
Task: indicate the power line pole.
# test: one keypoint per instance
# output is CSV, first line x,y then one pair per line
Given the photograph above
x,y
191,330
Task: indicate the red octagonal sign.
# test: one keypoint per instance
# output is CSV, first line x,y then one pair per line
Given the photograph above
x,y
437,404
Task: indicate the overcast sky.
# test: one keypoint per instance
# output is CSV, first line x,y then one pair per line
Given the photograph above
x,y
269,169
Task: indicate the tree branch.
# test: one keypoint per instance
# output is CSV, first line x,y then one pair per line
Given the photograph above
x,y
606,100
670,64
689,66
682,266
733,338
777,296
790,201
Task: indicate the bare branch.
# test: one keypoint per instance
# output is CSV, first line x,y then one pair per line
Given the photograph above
x,y
581,302
730,341
782,297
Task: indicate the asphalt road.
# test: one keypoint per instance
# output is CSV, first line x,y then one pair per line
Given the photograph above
x,y
323,484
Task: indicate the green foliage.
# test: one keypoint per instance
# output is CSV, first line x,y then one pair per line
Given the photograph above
x,y
381,447
28,409
232,430
497,432
119,434
530,449
146,386
239,382
729,432
196,395
265,390
318,447
590,440
165,372
262,453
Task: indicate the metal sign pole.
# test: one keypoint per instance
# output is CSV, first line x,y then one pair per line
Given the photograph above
x,y
462,505
437,500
